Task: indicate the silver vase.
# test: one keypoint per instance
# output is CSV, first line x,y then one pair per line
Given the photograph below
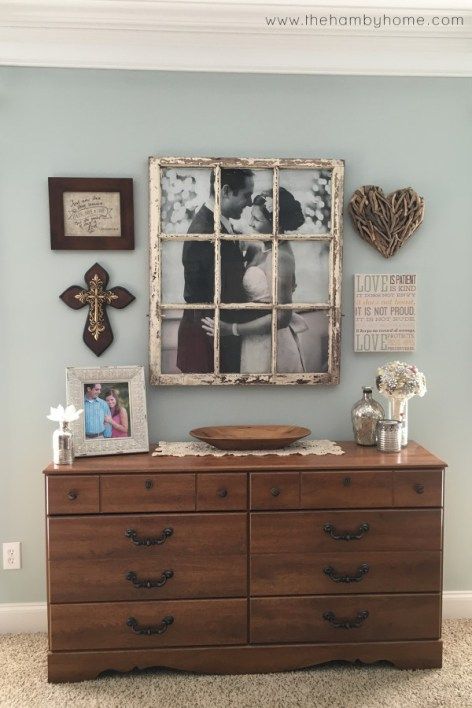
x,y
365,414
63,445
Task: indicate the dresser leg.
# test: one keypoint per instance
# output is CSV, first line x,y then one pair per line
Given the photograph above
x,y
428,655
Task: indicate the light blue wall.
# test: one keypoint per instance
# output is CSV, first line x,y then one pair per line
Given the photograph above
x,y
394,132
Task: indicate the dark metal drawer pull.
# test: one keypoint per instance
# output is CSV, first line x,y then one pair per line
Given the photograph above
x,y
158,629
419,488
346,623
275,491
133,578
130,533
223,493
332,575
72,495
346,536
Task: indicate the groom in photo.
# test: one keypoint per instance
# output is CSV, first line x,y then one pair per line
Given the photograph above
x,y
195,348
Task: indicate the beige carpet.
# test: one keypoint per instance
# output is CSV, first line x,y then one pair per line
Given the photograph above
x,y
23,683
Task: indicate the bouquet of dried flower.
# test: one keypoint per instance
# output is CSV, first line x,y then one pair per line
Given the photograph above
x,y
400,380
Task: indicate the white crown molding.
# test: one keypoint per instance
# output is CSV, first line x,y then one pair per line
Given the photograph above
x,y
24,617
232,36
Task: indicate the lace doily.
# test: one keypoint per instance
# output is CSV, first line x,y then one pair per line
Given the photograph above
x,y
200,449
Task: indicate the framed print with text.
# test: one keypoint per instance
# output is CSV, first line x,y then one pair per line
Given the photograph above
x,y
91,213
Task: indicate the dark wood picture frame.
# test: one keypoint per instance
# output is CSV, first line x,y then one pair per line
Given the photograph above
x,y
90,242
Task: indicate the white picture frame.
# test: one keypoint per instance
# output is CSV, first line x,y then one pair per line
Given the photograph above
x,y
129,379
192,294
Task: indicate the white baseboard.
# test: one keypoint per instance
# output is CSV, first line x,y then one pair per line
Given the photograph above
x,y
457,604
26,617
23,617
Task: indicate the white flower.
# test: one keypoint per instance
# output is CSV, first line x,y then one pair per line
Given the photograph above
x,y
68,415
400,380
269,204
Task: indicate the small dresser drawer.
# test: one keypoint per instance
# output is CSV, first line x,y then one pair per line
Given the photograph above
x,y
72,495
345,490
275,490
171,576
221,492
153,492
336,618
149,536
418,488
346,531
345,573
133,625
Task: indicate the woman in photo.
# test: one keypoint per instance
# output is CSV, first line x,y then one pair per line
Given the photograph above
x,y
256,335
118,418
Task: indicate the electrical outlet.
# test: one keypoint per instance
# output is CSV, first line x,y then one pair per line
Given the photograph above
x,y
12,555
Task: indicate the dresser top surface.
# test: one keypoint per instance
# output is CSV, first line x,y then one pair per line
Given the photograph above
x,y
355,457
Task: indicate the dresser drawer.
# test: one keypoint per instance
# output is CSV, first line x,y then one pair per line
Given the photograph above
x,y
335,618
173,576
221,492
152,492
275,490
110,625
146,536
345,573
72,495
351,531
345,490
418,488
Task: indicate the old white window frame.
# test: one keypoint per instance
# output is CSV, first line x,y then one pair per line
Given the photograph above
x,y
332,307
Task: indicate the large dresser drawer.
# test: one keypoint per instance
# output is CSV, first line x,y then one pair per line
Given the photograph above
x,y
134,625
345,573
172,576
346,490
67,494
146,535
151,492
358,618
326,531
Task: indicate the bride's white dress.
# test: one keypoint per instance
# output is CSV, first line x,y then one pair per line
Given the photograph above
x,y
256,349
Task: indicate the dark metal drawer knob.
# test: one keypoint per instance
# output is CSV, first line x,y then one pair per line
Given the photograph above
x,y
419,488
72,495
150,629
222,493
275,491
359,619
346,481
149,484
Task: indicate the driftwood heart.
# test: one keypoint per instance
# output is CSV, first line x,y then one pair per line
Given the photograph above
x,y
386,221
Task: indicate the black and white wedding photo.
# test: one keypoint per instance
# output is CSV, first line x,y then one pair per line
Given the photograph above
x,y
253,295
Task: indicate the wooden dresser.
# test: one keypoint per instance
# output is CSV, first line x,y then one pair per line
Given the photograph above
x,y
244,564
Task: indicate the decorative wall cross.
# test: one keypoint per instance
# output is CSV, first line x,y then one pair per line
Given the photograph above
x,y
98,334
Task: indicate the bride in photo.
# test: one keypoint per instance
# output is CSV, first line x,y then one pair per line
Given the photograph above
x,y
256,335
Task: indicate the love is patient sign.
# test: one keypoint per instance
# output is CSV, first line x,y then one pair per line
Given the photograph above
x,y
384,312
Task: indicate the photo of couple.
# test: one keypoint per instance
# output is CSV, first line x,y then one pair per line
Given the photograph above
x,y
245,271
106,411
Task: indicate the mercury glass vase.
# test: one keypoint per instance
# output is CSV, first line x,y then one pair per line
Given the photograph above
x,y
63,445
365,414
398,410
